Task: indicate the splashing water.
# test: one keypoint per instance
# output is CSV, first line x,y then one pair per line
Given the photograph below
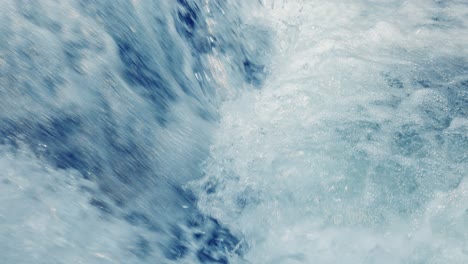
x,y
106,111
355,150
207,131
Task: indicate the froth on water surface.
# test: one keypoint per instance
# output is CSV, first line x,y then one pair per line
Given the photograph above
x,y
355,149
211,131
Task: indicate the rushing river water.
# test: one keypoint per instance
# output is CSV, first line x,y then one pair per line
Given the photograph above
x,y
212,131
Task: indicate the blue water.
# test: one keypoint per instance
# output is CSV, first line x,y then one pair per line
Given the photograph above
x,y
209,131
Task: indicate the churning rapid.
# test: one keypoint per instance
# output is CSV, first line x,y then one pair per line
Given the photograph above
x,y
213,131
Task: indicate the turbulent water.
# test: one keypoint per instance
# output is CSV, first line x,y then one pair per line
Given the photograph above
x,y
210,131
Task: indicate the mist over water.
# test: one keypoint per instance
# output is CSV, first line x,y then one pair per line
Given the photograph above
x,y
226,132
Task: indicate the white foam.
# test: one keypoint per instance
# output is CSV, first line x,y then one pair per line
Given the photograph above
x,y
46,216
349,149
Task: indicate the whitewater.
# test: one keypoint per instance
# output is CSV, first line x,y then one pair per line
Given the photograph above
x,y
207,131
